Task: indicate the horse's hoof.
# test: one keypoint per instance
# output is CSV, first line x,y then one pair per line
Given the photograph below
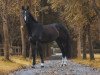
x,y
42,66
65,64
61,65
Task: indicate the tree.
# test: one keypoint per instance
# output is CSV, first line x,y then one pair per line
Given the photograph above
x,y
87,29
5,29
90,43
84,42
96,8
22,32
97,11
79,43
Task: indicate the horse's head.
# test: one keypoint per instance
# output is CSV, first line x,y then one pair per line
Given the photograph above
x,y
25,13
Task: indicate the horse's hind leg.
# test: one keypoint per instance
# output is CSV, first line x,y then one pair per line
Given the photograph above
x,y
60,44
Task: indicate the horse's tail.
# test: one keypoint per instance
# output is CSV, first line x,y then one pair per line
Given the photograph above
x,y
67,39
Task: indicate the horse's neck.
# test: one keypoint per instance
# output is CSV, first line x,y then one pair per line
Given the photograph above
x,y
32,27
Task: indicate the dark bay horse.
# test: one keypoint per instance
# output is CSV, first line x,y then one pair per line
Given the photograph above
x,y
39,34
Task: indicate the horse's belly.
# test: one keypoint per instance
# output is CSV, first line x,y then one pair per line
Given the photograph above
x,y
49,35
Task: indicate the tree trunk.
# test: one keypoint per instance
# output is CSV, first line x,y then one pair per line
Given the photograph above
x,y
99,28
22,32
5,29
84,44
30,52
23,41
90,44
79,44
85,11
36,10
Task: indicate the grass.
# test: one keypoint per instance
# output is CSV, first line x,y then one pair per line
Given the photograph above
x,y
16,63
93,63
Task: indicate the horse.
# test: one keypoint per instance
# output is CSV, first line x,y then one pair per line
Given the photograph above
x,y
42,34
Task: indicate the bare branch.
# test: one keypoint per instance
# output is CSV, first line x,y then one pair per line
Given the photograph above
x,y
97,10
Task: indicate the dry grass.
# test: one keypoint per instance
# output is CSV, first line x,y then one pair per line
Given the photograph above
x,y
93,63
17,62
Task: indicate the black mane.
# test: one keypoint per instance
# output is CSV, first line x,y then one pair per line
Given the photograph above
x,y
31,17
31,24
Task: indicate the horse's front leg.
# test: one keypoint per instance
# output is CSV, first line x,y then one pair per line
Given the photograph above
x,y
34,56
41,53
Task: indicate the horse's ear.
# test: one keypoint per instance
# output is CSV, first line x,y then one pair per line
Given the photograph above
x,y
27,7
22,7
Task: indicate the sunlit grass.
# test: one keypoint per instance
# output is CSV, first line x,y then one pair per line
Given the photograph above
x,y
15,63
93,63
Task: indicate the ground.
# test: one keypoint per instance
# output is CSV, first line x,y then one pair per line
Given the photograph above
x,y
93,63
53,67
